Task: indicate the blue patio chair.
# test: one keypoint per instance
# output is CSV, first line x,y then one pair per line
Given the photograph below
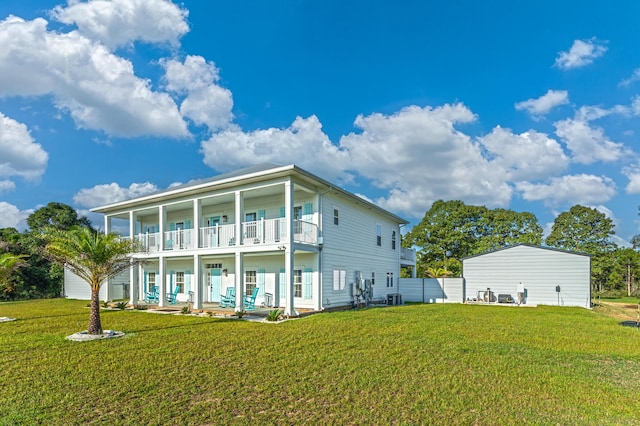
x,y
172,297
228,300
250,301
153,295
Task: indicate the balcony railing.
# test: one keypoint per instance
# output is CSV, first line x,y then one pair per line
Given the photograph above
x,y
408,255
218,236
263,231
180,239
150,242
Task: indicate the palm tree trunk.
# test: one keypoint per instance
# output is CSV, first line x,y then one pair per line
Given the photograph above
x,y
95,327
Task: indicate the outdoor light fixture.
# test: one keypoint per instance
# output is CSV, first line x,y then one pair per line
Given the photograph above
x,y
225,272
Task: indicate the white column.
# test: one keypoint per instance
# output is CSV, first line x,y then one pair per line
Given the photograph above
x,y
317,282
196,283
238,225
197,213
289,251
162,218
107,224
140,283
162,267
239,278
133,289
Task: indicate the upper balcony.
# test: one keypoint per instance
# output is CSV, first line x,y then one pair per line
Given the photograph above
x,y
407,256
260,232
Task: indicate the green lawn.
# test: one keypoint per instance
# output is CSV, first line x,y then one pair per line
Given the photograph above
x,y
417,364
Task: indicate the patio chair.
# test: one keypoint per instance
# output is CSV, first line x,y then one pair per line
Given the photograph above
x,y
152,296
228,300
250,301
172,297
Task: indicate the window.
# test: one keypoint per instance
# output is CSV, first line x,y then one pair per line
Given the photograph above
x,y
393,240
389,279
297,283
297,213
151,279
373,278
335,216
250,217
339,279
250,282
378,234
180,281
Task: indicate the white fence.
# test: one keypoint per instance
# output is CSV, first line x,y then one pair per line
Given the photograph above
x,y
432,290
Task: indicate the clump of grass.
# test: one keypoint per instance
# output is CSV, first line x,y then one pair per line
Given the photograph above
x,y
274,315
240,314
105,304
185,310
121,305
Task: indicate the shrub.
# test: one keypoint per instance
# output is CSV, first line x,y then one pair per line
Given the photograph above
x,y
240,314
121,305
274,315
185,310
105,304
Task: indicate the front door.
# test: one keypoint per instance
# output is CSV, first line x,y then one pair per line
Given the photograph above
x,y
215,281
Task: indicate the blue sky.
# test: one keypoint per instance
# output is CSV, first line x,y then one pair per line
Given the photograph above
x,y
533,107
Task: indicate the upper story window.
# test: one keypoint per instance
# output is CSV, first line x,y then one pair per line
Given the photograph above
x,y
378,234
335,216
297,212
251,217
393,240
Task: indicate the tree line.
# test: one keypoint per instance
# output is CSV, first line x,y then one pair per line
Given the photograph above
x,y
37,276
452,230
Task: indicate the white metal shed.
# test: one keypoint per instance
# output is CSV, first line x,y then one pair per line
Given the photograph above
x,y
544,275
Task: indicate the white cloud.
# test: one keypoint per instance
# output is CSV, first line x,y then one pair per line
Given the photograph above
x,y
633,174
569,190
544,103
635,76
527,156
20,155
582,52
206,103
7,186
419,156
303,143
13,217
588,144
121,22
100,195
99,89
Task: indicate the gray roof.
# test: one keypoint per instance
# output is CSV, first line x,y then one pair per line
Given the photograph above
x,y
526,245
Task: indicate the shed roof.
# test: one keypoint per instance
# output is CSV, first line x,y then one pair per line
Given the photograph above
x,y
526,245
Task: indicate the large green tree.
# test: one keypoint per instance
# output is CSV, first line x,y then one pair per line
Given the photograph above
x,y
582,229
56,215
93,256
453,230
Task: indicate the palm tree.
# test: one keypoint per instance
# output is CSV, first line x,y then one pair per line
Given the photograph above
x,y
9,262
437,272
93,256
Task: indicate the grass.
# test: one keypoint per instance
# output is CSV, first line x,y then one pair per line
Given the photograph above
x,y
418,364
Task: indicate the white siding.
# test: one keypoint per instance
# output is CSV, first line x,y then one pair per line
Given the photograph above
x,y
351,246
539,270
432,290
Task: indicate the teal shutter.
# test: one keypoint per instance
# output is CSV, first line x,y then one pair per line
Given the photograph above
x,y
187,281
307,212
260,214
283,278
145,229
172,226
307,283
282,211
187,224
260,282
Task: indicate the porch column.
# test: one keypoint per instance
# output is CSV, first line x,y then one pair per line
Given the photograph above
x,y
162,218
238,225
238,279
317,285
140,283
107,224
197,213
196,284
161,278
289,250
133,289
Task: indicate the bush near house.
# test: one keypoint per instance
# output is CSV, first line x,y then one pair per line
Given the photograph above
x,y
415,364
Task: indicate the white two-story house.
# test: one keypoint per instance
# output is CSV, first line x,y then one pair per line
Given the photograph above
x,y
302,241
